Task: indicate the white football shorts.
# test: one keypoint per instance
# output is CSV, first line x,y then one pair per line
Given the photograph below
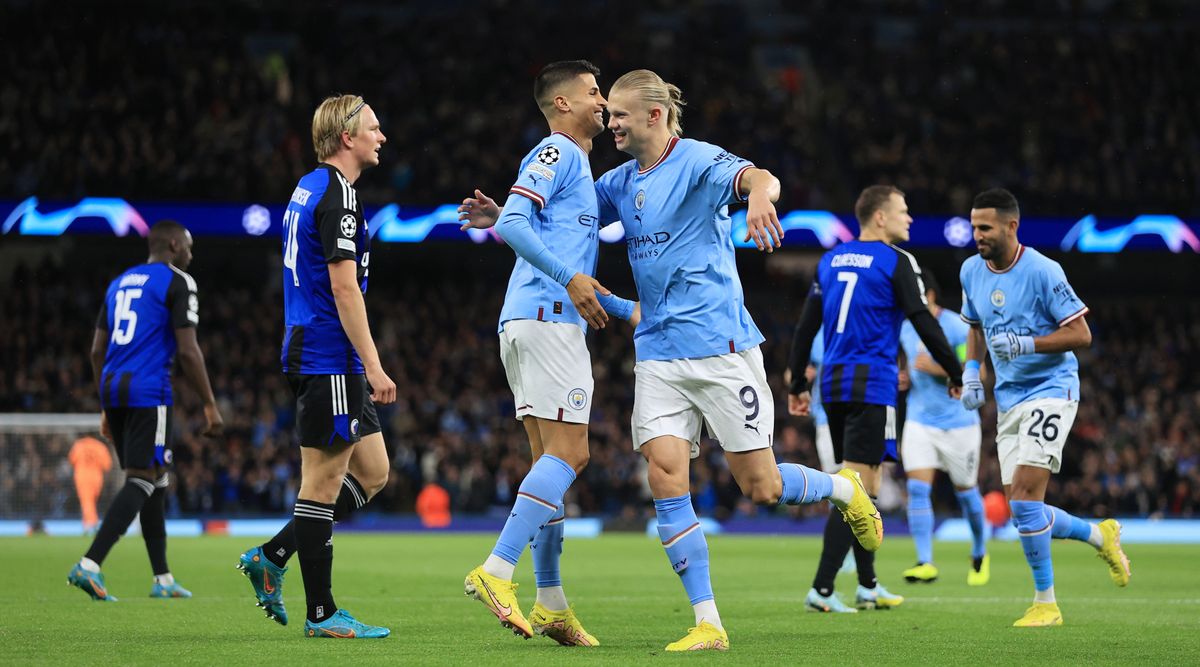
x,y
727,392
1033,433
549,370
955,451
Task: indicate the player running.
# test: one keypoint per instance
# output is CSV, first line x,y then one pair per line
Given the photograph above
x,y
550,222
150,312
863,291
1024,312
698,357
331,363
940,435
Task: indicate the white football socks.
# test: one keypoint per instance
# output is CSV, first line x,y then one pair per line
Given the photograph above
x,y
706,611
89,565
1095,539
1044,596
498,567
843,490
552,598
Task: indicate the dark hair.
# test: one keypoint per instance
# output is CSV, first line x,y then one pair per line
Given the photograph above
x,y
931,283
163,232
1000,199
871,200
555,74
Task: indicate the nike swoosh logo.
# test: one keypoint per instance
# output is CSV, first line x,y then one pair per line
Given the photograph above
x,y
496,602
349,634
267,583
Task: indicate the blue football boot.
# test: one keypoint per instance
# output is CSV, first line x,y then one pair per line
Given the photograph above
x,y
91,583
343,626
267,580
171,590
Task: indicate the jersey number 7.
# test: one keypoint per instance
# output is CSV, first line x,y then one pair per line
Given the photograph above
x,y
851,279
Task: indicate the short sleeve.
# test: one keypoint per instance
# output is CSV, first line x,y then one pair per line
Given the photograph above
x,y
722,171
338,220
1065,306
102,318
544,171
183,302
968,314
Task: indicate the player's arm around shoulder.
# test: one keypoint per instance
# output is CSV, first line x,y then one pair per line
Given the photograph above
x,y
352,312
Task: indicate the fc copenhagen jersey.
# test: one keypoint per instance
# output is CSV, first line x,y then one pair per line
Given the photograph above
x,y
142,309
323,224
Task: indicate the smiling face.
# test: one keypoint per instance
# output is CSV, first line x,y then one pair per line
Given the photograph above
x,y
631,120
583,101
994,234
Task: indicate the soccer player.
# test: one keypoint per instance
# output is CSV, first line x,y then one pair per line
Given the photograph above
x,y
1024,312
149,313
939,434
698,358
862,292
331,363
550,222
820,420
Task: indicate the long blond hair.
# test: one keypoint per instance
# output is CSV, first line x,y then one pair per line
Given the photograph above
x,y
335,114
650,88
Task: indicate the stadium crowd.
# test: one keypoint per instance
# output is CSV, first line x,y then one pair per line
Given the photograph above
x,y
1077,110
1134,450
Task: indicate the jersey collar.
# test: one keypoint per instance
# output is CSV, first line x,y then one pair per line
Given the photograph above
x,y
567,136
662,158
1016,258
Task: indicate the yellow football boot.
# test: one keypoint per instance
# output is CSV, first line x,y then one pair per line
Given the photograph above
x,y
983,575
561,626
1111,552
500,597
1040,615
924,573
860,513
703,637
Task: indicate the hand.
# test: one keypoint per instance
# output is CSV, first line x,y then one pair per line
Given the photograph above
x,y
762,222
799,405
636,317
971,392
1008,346
215,425
478,212
383,390
105,429
955,392
582,290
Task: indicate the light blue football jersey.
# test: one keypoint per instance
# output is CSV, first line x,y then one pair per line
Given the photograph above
x,y
677,234
557,177
814,357
1030,298
928,401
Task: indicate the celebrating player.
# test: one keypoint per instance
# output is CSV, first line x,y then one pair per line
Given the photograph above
x,y
331,362
1022,309
940,435
150,312
863,291
550,222
698,360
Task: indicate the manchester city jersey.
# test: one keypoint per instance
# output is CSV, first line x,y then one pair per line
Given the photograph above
x,y
142,309
557,178
677,234
323,223
815,358
1029,298
928,401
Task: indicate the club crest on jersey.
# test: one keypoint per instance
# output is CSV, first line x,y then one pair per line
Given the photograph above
x,y
998,298
577,398
548,155
349,225
639,200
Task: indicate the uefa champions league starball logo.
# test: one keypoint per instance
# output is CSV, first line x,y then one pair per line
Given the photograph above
x,y
958,232
548,155
349,225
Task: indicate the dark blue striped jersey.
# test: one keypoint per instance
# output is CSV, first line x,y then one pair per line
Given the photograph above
x,y
142,309
323,224
867,289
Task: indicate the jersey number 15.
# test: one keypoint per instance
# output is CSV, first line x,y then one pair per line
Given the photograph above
x,y
124,316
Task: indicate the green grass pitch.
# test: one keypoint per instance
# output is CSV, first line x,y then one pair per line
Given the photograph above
x,y
622,588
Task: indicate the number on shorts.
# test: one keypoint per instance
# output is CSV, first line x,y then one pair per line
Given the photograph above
x,y
750,403
1049,428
